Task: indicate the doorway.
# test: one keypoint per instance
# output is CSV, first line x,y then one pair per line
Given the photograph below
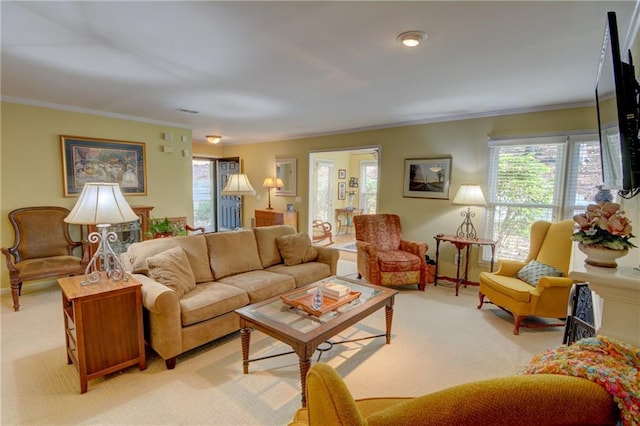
x,y
211,210
343,183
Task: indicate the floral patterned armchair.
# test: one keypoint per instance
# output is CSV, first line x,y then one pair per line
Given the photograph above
x,y
383,257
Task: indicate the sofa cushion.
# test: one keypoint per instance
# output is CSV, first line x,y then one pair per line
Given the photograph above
x,y
209,300
232,253
261,285
534,270
267,246
195,247
296,249
138,253
304,273
171,268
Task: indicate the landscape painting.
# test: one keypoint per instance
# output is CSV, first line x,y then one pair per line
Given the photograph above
x,y
427,177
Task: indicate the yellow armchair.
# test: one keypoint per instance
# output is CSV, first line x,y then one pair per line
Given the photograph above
x,y
550,245
515,400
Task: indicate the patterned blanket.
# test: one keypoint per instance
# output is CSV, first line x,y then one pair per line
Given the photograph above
x,y
612,364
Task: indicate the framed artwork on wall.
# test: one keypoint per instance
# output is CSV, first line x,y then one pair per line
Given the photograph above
x,y
342,190
427,177
342,173
103,160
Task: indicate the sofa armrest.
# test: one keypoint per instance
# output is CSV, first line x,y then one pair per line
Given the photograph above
x,y
163,324
329,256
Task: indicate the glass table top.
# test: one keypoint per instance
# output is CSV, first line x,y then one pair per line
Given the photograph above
x,y
298,319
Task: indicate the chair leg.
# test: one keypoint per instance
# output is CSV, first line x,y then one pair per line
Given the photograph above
x,y
481,296
16,289
516,327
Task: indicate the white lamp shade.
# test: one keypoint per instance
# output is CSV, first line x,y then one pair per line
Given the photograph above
x,y
268,183
238,185
272,183
469,195
101,204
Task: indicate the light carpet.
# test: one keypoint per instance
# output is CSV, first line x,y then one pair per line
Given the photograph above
x,y
439,340
350,247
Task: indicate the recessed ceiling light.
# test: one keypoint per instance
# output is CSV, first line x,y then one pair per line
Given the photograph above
x,y
214,139
411,38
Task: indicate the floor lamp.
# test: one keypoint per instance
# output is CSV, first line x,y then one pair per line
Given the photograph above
x,y
102,205
238,185
468,195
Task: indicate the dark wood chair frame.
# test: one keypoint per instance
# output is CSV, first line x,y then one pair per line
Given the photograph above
x,y
13,256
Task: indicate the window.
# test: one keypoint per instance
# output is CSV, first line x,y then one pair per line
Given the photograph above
x,y
203,193
533,179
369,186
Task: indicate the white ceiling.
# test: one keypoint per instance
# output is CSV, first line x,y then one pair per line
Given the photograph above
x,y
263,71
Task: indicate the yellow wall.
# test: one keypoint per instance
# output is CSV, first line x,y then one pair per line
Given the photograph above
x,y
32,161
32,174
465,141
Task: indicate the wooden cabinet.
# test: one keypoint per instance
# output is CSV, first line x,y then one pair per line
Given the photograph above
x,y
275,217
128,233
103,326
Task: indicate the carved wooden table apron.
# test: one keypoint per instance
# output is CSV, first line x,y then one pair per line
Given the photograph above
x,y
305,333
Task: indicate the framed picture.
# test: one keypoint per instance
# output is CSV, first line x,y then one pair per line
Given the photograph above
x,y
102,160
427,177
342,173
342,190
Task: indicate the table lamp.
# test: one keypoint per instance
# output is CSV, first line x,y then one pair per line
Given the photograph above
x,y
468,195
270,183
238,185
102,204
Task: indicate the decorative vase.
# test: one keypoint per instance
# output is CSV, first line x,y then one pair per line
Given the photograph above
x,y
601,256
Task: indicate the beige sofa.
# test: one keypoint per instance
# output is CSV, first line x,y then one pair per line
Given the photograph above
x,y
192,285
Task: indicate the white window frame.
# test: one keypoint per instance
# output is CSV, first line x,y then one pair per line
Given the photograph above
x,y
564,202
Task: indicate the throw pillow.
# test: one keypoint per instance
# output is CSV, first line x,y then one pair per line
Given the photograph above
x,y
296,249
171,268
534,270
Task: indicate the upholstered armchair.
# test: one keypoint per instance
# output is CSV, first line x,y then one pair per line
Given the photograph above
x,y
42,248
383,257
535,399
538,286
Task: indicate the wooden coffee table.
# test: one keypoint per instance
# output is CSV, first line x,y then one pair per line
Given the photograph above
x,y
305,332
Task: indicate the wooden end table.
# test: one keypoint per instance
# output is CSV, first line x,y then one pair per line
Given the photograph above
x,y
462,244
103,326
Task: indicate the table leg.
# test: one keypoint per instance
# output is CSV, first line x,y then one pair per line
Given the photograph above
x,y
388,314
466,267
458,271
435,278
305,364
245,339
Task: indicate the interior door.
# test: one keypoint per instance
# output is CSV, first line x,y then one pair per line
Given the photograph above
x,y
228,205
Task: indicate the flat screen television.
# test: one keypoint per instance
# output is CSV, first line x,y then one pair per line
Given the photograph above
x,y
617,100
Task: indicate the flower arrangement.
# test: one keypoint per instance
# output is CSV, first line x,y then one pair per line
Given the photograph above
x,y
603,224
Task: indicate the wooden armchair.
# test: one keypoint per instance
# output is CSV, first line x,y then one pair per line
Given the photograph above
x,y
42,248
322,231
